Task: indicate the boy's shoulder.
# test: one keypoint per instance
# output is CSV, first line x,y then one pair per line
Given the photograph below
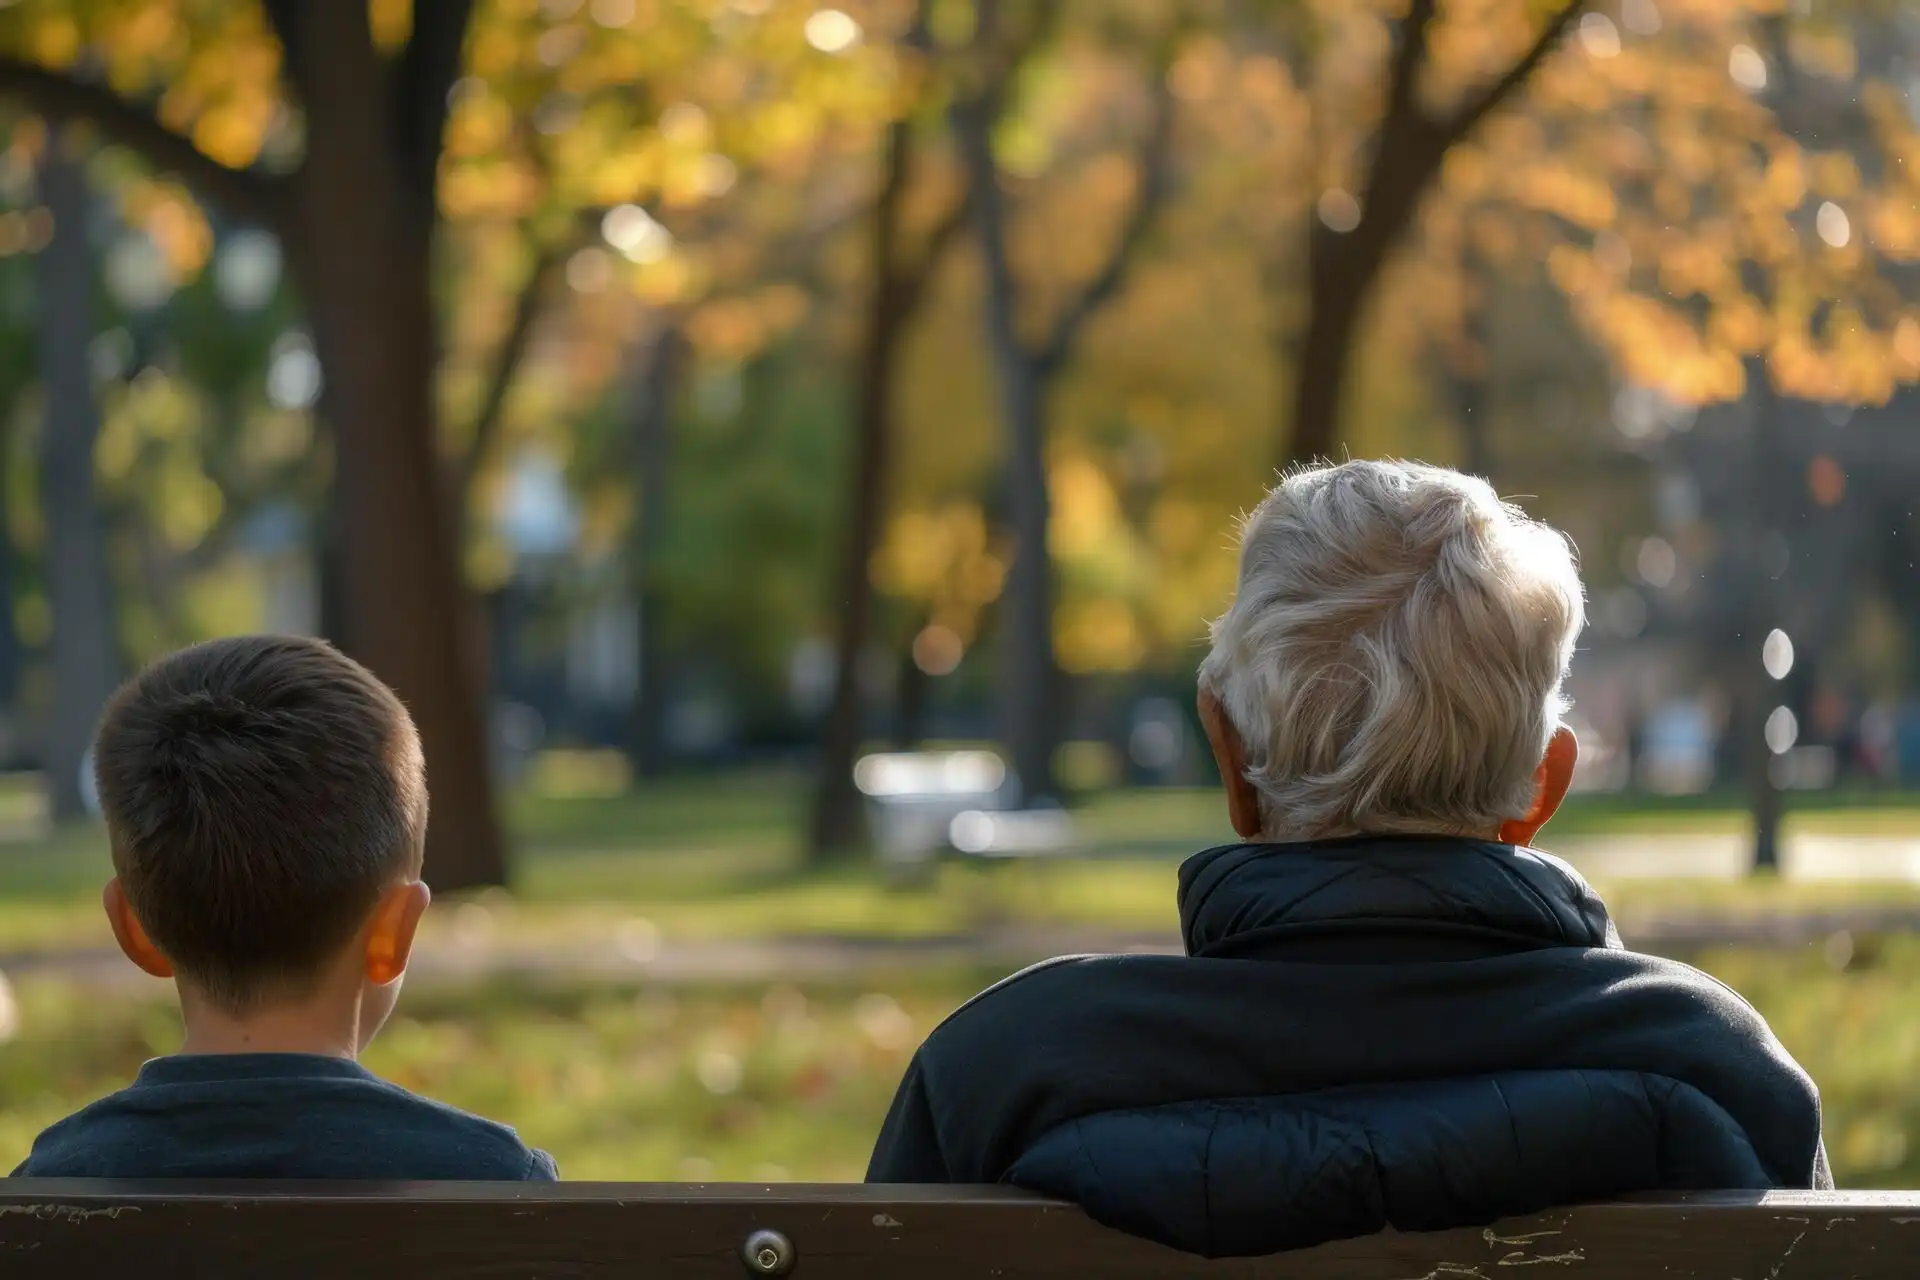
x,y
472,1141
282,1119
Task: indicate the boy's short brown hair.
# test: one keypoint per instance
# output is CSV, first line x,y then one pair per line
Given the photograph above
x,y
261,793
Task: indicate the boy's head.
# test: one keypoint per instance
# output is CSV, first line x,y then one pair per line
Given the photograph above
x,y
267,804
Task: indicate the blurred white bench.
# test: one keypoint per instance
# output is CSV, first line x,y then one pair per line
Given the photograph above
x,y
927,803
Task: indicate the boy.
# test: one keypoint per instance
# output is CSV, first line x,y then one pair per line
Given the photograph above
x,y
267,805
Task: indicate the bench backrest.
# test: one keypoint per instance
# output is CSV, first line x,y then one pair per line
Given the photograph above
x,y
73,1230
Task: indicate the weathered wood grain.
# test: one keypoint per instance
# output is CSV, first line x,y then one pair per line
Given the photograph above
x,y
63,1230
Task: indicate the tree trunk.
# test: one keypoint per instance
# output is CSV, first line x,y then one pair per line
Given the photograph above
x,y
912,689
1028,720
837,824
1471,383
1763,601
84,647
1340,274
653,460
360,249
12,651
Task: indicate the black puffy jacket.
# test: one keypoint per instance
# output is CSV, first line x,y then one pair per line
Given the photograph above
x,y
1406,1032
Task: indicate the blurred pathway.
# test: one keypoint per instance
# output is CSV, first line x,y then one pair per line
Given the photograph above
x,y
1727,856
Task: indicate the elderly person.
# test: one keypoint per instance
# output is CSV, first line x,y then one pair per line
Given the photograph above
x,y
1391,1011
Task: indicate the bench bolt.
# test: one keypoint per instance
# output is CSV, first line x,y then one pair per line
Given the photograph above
x,y
768,1253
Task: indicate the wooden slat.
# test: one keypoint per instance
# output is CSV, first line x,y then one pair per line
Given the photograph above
x,y
69,1230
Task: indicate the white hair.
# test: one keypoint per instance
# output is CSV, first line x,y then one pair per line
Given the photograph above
x,y
1394,656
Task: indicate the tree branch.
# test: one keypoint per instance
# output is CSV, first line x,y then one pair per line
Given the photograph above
x,y
1469,116
1155,164
421,84
914,276
284,17
1403,71
508,358
245,194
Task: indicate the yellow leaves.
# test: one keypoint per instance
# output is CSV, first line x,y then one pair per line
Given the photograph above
x,y
1097,635
730,328
392,23
1739,325
479,123
1201,69
180,230
233,133
1827,51
1785,182
1702,265
1581,198
493,50
1905,349
942,557
1265,81
1086,514
1894,225
169,216
55,40
1834,175
1655,346
497,188
188,505
1843,360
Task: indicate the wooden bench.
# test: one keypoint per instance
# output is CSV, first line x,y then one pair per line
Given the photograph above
x,y
138,1231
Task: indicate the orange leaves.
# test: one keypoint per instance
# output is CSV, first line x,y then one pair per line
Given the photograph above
x,y
1739,325
945,558
1785,182
1584,199
1904,346
1834,175
1690,266
736,328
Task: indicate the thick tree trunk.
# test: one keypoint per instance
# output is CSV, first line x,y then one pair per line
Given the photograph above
x,y
653,413
404,609
84,646
360,248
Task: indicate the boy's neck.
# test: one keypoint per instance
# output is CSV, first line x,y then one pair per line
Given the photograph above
x,y
311,1027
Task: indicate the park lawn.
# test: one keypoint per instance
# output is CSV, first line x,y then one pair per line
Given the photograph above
x,y
791,1082
716,857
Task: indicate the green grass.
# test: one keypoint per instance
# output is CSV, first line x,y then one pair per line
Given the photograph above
x,y
789,1082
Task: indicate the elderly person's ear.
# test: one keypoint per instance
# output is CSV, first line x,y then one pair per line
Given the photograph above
x,y
1550,783
1230,753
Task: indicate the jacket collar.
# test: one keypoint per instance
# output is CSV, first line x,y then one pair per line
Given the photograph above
x,y
1255,901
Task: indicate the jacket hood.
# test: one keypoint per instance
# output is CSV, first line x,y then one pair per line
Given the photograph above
x,y
1258,901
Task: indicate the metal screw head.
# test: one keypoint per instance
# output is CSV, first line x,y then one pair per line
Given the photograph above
x,y
768,1253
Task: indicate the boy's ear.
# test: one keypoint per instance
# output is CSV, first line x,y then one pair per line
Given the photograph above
x,y
129,933
390,933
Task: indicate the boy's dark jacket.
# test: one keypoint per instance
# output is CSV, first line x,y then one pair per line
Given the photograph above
x,y
1406,1032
